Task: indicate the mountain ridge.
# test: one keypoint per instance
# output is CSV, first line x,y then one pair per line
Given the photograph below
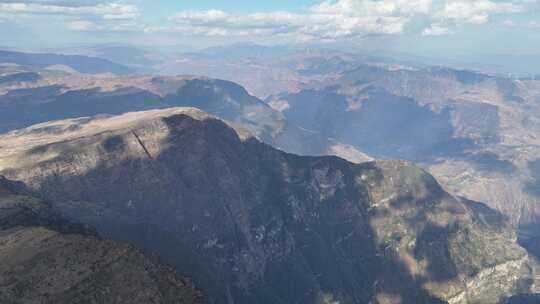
x,y
239,216
82,64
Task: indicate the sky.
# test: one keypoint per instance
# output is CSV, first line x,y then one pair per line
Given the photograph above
x,y
423,27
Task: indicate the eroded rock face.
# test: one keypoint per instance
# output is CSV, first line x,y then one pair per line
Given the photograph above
x,y
45,259
252,224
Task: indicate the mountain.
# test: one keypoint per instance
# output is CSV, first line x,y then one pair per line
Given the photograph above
x,y
252,224
239,51
263,71
130,56
66,96
81,64
51,95
46,259
476,133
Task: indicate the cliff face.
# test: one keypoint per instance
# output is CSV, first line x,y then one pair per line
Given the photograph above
x,y
46,259
251,224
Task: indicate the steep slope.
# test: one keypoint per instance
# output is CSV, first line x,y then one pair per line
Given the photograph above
x,y
45,259
252,224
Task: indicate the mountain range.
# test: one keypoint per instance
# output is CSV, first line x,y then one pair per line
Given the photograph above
x,y
78,63
199,171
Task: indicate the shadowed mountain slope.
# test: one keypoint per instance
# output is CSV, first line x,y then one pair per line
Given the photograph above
x,y
251,224
46,259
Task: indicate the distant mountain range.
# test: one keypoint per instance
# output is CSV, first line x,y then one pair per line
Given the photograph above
x,y
136,58
82,64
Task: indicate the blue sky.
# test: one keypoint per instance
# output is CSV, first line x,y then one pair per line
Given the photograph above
x,y
444,27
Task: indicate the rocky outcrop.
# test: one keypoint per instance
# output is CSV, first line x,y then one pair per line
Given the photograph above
x,y
251,224
46,259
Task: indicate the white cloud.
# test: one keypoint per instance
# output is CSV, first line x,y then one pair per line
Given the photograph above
x,y
450,13
81,25
91,26
73,3
339,19
109,10
534,24
201,16
329,20
77,15
474,11
190,30
509,23
219,23
436,30
373,7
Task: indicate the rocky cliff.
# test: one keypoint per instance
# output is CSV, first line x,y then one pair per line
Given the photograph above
x,y
46,259
251,224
